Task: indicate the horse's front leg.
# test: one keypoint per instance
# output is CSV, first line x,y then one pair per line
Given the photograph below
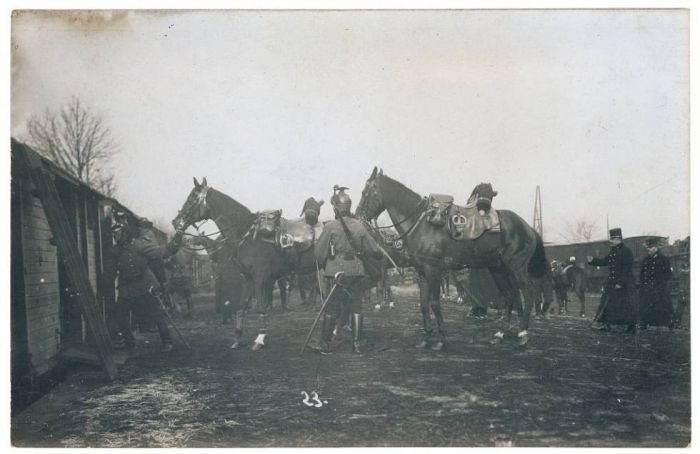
x,y
282,283
262,303
425,311
434,295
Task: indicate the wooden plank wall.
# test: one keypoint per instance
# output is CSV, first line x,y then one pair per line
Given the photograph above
x,y
41,283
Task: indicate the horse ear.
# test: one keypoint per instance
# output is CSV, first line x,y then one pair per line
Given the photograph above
x,y
495,193
374,173
320,202
204,181
381,171
196,183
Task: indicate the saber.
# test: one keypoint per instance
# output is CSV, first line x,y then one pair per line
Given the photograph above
x,y
320,284
336,280
170,319
386,254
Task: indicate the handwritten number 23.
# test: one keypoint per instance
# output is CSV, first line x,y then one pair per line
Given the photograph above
x,y
314,397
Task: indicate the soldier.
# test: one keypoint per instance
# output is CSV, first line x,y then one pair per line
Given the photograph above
x,y
655,299
560,284
356,256
141,272
616,304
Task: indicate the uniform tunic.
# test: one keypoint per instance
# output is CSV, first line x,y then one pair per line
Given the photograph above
x,y
334,252
655,299
617,306
140,267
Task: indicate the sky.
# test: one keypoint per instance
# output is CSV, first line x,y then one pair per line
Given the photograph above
x,y
275,106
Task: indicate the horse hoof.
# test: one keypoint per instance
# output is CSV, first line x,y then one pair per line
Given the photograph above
x,y
522,338
257,346
437,346
377,307
422,344
391,305
496,340
236,345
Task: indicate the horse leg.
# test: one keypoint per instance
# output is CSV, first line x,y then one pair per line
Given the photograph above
x,y
434,295
581,294
425,311
511,297
261,304
530,292
282,284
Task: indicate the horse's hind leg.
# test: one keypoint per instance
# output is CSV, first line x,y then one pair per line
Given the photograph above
x,y
511,297
582,299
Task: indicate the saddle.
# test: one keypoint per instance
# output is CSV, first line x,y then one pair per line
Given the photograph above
x,y
297,234
288,234
461,222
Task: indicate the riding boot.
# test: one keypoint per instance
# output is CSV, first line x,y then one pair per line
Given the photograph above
x,y
327,328
356,332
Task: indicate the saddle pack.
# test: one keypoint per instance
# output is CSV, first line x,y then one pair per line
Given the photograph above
x,y
290,235
461,222
439,209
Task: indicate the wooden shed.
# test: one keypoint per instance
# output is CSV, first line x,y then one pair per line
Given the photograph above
x,y
48,316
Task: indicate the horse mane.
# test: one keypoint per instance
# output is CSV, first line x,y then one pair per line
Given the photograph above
x,y
235,209
406,199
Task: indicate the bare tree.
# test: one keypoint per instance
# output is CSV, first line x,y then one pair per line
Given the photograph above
x,y
580,231
78,141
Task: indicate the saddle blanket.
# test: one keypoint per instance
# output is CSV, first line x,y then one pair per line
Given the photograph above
x,y
468,223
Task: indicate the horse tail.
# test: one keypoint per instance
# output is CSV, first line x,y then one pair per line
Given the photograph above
x,y
538,266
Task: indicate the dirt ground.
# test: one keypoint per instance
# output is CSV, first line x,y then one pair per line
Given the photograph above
x,y
569,386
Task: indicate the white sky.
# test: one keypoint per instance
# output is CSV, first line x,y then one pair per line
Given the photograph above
x,y
276,106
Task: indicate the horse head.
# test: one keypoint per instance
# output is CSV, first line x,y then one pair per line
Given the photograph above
x,y
371,203
195,208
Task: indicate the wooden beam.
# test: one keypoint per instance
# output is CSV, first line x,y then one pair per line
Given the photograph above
x,y
67,246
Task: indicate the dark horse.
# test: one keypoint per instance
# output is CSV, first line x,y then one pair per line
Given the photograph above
x,y
514,255
260,261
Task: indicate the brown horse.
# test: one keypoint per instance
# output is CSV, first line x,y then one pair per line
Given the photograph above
x,y
262,262
514,255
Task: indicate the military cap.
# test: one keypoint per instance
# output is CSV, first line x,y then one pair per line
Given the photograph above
x,y
615,233
652,242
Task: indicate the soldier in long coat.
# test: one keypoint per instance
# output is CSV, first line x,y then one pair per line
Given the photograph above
x,y
335,253
617,305
141,273
655,299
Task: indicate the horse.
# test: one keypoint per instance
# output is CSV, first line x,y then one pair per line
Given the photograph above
x,y
229,282
514,255
577,281
257,251
260,261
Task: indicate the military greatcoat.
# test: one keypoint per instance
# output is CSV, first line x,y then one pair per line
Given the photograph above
x,y
655,299
617,305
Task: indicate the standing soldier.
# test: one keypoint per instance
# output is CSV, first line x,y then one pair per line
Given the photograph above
x,y
655,299
558,279
141,272
345,246
616,305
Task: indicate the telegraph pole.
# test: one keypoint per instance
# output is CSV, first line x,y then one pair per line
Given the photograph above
x,y
537,218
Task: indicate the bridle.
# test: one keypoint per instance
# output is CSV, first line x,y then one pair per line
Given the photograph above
x,y
371,223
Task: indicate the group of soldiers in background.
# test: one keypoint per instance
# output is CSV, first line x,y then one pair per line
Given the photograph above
x,y
651,304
